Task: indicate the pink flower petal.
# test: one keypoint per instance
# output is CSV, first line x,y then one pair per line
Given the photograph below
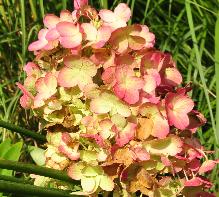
x,y
50,21
52,34
207,166
123,11
71,41
127,86
65,15
126,134
178,105
193,182
67,29
80,3
107,16
90,31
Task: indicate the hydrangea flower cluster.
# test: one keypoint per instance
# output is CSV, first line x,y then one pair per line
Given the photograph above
x,y
116,115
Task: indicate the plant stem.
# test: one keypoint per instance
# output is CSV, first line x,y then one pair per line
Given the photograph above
x,y
39,170
22,131
13,179
10,187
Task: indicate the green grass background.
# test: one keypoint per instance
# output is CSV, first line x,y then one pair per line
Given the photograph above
x,y
189,29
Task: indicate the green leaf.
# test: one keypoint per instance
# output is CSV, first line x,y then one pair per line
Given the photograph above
x,y
4,147
12,154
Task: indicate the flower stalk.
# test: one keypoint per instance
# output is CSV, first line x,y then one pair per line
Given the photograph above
x,y
12,187
39,170
14,179
22,131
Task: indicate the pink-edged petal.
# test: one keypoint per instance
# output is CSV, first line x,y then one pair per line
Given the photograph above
x,y
98,139
69,152
37,45
31,69
123,12
26,102
67,29
50,21
172,77
72,41
51,45
46,86
107,16
127,85
103,35
140,154
24,91
193,182
65,15
79,4
41,43
38,101
52,34
76,69
148,36
126,134
152,80
207,166
178,106
159,126
90,31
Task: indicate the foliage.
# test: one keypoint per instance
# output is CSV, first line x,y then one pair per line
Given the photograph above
x,y
10,152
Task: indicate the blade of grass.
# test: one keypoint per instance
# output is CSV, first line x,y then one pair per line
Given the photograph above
x,y
18,188
64,4
217,73
132,10
199,66
145,11
104,4
23,29
42,8
33,9
22,131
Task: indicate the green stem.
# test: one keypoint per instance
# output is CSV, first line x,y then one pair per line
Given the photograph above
x,y
18,188
22,131
34,169
13,179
